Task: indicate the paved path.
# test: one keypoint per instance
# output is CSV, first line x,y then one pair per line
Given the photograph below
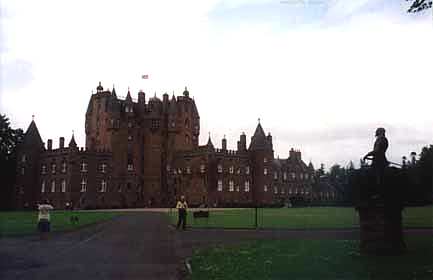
x,y
133,246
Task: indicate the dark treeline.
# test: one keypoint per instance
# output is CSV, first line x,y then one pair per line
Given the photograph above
x,y
418,170
9,140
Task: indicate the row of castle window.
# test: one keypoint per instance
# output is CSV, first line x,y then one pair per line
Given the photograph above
x,y
282,190
83,168
232,186
83,185
302,176
232,170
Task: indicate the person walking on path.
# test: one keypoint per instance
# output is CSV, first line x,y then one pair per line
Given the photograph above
x,y
44,219
182,207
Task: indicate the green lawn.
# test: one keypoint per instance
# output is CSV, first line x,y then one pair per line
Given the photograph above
x,y
299,218
22,223
311,259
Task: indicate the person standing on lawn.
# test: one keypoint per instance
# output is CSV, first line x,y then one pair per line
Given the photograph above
x,y
182,207
44,219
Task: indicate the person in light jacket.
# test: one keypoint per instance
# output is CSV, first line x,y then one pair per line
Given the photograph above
x,y
182,207
44,225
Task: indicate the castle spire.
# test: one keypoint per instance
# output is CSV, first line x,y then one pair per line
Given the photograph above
x,y
209,142
113,92
72,143
128,96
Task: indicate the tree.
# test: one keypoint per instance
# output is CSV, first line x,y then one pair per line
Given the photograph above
x,y
9,141
425,171
419,5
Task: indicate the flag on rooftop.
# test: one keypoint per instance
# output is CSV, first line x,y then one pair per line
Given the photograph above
x,y
145,76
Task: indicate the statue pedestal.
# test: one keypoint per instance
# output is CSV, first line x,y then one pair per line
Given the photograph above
x,y
381,231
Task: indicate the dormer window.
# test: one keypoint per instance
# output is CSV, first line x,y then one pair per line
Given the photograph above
x,y
103,168
83,166
220,168
231,169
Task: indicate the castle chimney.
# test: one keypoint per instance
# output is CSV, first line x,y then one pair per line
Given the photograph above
x,y
242,146
224,144
50,144
61,142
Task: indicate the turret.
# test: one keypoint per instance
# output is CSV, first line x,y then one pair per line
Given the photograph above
x,y
224,144
99,88
186,92
141,97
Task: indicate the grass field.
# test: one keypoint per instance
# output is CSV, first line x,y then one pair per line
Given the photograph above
x,y
311,259
22,223
298,218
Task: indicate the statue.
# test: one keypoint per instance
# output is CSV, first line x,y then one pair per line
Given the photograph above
x,y
378,197
378,157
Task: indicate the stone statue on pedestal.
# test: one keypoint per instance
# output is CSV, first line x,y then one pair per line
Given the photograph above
x,y
378,198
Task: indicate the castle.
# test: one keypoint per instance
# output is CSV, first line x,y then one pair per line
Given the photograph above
x,y
146,153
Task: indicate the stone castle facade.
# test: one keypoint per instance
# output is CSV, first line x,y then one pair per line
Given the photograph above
x,y
142,153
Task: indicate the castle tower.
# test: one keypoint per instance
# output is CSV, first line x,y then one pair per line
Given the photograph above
x,y
27,186
261,157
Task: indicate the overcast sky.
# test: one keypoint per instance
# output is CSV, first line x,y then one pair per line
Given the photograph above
x,y
320,74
